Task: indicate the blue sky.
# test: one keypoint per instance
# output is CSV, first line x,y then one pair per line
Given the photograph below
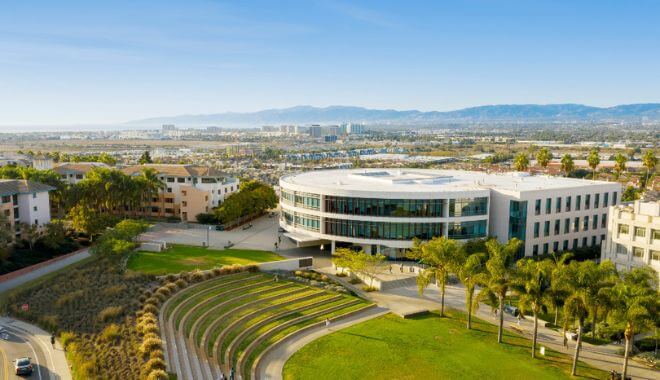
x,y
65,62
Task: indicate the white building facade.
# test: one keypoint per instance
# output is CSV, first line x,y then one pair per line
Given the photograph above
x,y
383,210
633,235
23,201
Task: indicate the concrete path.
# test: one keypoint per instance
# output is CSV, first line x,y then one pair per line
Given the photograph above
x,y
406,300
272,363
23,339
14,282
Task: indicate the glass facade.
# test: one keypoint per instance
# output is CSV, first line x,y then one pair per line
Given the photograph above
x,y
467,230
468,206
308,222
382,230
303,200
518,220
385,207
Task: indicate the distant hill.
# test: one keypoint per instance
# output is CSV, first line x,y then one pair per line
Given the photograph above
x,y
494,113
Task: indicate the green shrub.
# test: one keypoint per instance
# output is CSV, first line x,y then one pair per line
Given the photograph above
x,y
150,344
158,374
369,288
150,308
154,364
114,290
69,297
66,338
354,281
181,283
110,333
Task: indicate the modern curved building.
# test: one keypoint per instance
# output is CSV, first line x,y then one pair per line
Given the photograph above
x,y
382,210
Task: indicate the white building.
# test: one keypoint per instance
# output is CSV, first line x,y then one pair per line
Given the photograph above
x,y
633,235
23,201
74,172
384,209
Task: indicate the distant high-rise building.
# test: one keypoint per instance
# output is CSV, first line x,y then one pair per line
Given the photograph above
x,y
354,129
315,131
168,127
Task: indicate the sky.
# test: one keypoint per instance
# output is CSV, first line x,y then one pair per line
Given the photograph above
x,y
70,62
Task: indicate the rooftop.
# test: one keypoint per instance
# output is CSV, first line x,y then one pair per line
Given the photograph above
x,y
22,186
78,167
177,170
428,180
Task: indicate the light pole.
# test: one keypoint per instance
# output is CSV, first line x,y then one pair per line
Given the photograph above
x,y
208,231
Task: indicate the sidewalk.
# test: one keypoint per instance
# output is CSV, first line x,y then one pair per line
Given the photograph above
x,y
43,270
406,300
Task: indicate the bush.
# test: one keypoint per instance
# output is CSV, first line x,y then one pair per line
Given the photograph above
x,y
158,374
67,338
150,344
354,281
114,290
110,313
110,333
369,288
181,283
154,364
205,218
150,308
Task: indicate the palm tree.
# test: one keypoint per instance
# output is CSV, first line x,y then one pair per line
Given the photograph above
x,y
558,291
649,160
499,275
602,277
619,164
152,184
567,164
636,304
533,283
521,162
440,255
470,271
543,157
593,160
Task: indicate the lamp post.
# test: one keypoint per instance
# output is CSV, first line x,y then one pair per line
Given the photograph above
x,y
208,232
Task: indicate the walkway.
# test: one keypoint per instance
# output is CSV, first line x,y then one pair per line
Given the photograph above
x,y
406,300
33,275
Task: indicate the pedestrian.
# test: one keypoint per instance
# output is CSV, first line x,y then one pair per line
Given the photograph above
x,y
327,322
276,246
495,310
231,373
518,317
565,341
279,239
401,267
275,278
52,340
390,268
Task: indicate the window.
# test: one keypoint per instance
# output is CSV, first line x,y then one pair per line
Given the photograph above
x,y
535,250
170,179
557,226
584,241
621,249
545,248
184,204
79,176
585,224
568,203
614,198
655,235
518,219
623,229
638,252
596,200
6,199
548,205
465,207
587,201
602,237
593,240
536,229
575,243
169,189
181,180
546,228
34,195
36,222
606,199
555,246
594,223
640,232
558,204
578,202
565,245
34,208
603,221
537,207
576,224
655,255
567,225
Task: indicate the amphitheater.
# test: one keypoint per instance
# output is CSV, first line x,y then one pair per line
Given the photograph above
x,y
232,321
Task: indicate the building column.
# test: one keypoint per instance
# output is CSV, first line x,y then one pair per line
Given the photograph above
x,y
332,247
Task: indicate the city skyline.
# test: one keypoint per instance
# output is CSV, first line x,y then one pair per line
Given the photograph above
x,y
78,63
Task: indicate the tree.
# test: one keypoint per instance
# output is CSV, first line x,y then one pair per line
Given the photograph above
x,y
373,265
619,164
30,233
630,193
470,271
558,291
521,162
593,159
342,259
6,237
499,275
649,160
440,255
145,158
88,221
533,283
567,164
636,304
54,235
543,157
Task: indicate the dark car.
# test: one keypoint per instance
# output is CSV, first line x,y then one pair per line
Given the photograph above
x,y
219,227
23,366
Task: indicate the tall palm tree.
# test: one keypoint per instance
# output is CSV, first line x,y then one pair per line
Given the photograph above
x,y
152,184
602,277
649,160
440,255
521,162
558,291
619,164
593,159
543,157
470,271
636,304
499,275
567,164
533,283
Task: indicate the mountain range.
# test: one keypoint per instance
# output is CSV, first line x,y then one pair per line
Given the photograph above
x,y
488,113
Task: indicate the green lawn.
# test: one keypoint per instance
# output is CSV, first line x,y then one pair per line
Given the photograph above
x,y
182,258
426,347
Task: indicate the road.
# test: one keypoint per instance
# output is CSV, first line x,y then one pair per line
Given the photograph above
x,y
21,340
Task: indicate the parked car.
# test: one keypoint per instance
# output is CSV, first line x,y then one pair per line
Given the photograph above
x,y
23,366
219,227
511,310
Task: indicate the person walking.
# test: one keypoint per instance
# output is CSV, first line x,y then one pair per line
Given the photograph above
x,y
390,268
327,322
